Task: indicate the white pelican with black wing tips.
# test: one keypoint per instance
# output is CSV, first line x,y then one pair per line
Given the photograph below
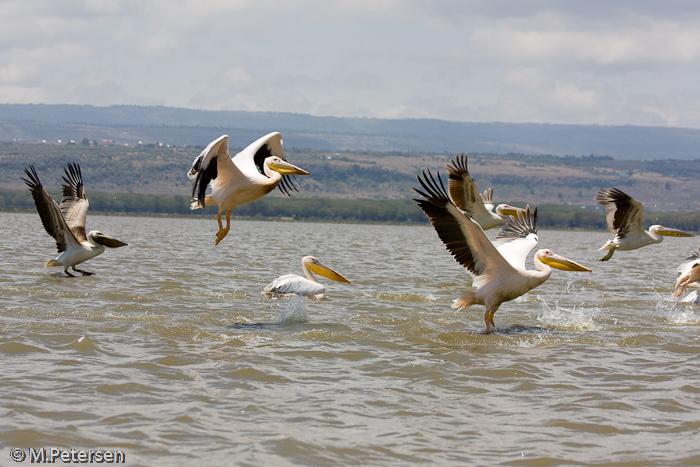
x,y
465,195
624,218
499,272
688,276
252,173
291,284
66,223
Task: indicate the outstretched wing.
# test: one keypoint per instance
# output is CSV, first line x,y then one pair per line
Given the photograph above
x,y
264,147
462,236
206,167
49,212
463,191
517,238
622,212
74,204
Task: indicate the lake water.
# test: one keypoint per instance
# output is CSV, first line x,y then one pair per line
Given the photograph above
x,y
171,354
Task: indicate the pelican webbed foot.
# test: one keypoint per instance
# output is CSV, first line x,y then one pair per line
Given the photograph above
x,y
606,257
68,274
84,273
221,234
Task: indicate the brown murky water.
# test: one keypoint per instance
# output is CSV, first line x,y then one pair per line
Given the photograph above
x,y
172,354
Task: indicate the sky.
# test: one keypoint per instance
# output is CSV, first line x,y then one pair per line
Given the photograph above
x,y
626,62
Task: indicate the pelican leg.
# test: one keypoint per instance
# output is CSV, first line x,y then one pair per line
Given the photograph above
x,y
223,232
488,318
683,284
68,273
84,273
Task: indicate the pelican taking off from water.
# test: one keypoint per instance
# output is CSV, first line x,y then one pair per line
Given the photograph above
x,y
688,275
499,272
297,285
465,195
624,217
66,223
249,175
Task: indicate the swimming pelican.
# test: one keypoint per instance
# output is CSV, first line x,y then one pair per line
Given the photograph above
x,y
624,218
66,223
465,195
688,274
249,175
499,271
297,285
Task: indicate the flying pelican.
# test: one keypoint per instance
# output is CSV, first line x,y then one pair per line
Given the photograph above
x,y
66,223
249,175
465,195
688,275
297,285
499,272
624,217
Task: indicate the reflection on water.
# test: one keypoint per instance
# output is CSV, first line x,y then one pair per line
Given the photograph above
x,y
172,353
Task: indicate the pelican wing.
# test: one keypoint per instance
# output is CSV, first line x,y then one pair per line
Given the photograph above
x,y
689,263
487,199
74,204
207,166
49,212
463,191
271,145
462,236
293,284
517,238
622,212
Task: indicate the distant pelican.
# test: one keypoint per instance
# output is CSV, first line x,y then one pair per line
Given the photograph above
x,y
688,275
499,272
249,175
465,195
292,284
624,218
66,223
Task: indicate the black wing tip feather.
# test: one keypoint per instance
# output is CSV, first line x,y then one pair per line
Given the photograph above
x,y
520,227
458,166
613,195
288,184
435,192
32,180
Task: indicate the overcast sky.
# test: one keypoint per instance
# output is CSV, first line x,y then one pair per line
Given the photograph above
x,y
591,62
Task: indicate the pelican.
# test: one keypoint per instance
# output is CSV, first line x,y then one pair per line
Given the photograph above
x,y
499,272
465,195
66,223
624,217
688,275
249,175
291,284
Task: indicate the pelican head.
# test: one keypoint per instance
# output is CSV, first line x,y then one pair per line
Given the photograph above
x,y
283,167
321,269
669,232
552,259
98,238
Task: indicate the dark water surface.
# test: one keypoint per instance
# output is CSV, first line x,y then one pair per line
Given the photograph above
x,y
172,354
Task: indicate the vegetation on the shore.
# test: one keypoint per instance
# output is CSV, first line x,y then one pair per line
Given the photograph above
x,y
395,211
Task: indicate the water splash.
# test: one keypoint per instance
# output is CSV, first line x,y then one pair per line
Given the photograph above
x,y
677,312
294,310
577,318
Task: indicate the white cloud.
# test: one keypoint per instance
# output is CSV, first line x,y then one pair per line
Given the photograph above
x,y
625,62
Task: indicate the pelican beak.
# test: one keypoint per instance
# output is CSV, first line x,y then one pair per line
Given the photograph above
x,y
508,210
562,263
285,168
321,269
668,232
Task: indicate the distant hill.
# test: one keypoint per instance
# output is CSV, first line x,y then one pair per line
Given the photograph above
x,y
177,126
